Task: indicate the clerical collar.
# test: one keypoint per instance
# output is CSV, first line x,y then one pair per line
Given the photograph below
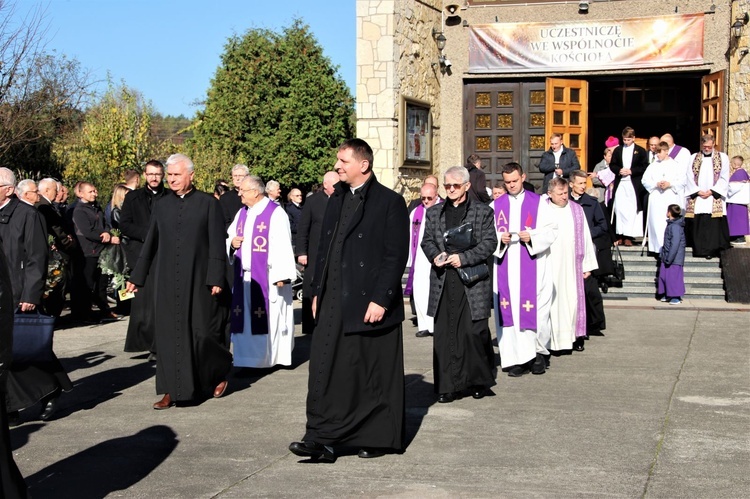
x,y
573,195
355,189
157,191
708,155
517,195
5,203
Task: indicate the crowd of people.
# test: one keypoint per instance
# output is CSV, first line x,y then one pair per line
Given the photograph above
x,y
221,268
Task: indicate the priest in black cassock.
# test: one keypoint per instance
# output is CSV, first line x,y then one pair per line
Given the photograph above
x,y
135,219
185,248
355,394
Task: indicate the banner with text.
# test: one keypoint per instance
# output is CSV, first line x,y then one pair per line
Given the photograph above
x,y
587,45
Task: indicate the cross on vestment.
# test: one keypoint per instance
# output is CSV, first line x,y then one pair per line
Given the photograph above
x,y
260,312
237,310
528,306
261,227
504,303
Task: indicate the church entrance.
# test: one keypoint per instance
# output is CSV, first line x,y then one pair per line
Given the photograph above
x,y
510,120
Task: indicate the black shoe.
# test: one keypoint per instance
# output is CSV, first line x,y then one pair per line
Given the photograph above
x,y
518,371
478,392
546,360
578,345
370,453
49,410
423,334
313,450
539,365
446,398
14,419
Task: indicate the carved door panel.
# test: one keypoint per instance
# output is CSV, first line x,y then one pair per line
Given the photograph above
x,y
712,107
504,122
567,111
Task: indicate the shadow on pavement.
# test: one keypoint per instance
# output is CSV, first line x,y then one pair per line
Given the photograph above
x,y
92,390
106,467
19,436
420,395
85,361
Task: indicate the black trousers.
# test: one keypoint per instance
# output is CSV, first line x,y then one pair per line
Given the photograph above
x,y
96,283
595,320
12,485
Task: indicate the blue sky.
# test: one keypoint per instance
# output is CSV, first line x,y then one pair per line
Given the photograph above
x,y
169,49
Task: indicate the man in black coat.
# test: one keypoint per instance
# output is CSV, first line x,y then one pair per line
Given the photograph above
x,y
478,190
306,247
599,229
93,234
25,245
629,163
230,201
558,161
356,385
63,243
135,218
12,484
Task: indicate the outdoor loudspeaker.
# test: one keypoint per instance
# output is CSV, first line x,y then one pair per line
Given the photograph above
x,y
451,9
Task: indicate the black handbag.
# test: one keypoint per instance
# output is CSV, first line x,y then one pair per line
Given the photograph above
x,y
617,264
459,239
473,274
32,337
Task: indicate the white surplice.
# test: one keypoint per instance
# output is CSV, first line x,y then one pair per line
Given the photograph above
x,y
629,221
421,278
267,350
565,279
659,200
683,161
518,346
706,182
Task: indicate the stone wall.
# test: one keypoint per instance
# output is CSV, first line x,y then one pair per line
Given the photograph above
x,y
738,115
395,53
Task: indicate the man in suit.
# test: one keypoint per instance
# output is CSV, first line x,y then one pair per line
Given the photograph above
x,y
134,222
356,386
306,244
629,162
230,202
478,191
558,161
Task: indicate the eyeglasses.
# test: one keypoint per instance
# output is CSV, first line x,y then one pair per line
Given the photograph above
x,y
454,186
154,174
427,198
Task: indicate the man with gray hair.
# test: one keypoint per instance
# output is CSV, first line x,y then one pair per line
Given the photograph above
x,y
273,189
185,248
230,202
27,191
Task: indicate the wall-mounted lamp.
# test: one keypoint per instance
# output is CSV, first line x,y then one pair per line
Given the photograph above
x,y
744,51
739,24
583,7
439,38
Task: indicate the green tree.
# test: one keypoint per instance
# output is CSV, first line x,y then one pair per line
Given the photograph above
x,y
275,103
115,136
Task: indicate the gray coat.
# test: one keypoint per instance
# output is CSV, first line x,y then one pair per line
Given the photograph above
x,y
481,217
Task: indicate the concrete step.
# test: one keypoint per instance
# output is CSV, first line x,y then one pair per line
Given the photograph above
x,y
697,292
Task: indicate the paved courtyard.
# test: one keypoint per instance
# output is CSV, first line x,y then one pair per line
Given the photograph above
x,y
659,407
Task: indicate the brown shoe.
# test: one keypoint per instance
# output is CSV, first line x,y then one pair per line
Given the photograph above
x,y
220,389
164,403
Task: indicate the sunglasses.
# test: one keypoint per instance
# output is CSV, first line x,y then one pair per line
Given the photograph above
x,y
427,198
454,186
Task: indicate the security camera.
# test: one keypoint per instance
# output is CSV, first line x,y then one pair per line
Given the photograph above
x,y
452,9
447,63
583,6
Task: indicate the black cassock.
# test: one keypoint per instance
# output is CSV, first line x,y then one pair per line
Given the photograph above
x,y
356,385
186,244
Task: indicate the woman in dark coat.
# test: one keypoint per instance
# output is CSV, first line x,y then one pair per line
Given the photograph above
x,y
463,355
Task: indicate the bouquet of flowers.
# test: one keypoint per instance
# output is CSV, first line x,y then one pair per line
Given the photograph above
x,y
55,268
113,263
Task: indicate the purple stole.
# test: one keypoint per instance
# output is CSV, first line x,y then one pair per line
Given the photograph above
x,y
675,151
528,306
580,253
258,275
415,227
